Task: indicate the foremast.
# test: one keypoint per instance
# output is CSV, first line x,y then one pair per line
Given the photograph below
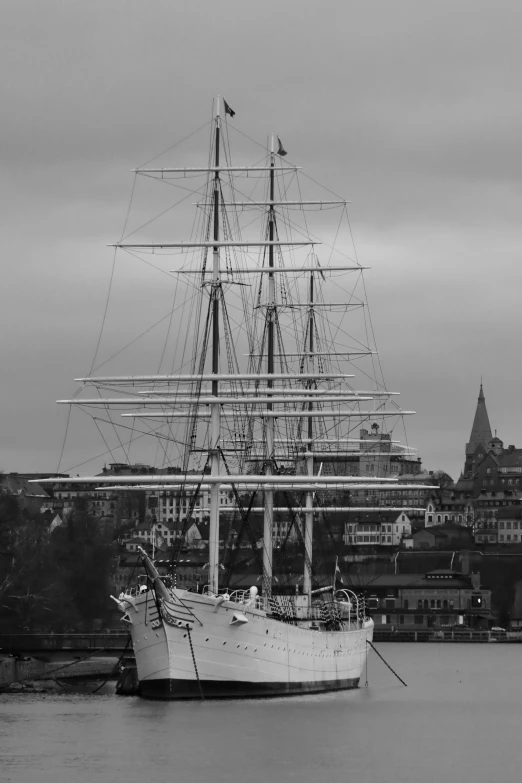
x,y
215,408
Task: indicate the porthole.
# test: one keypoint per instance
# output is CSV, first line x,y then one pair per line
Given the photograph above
x,y
207,639
184,635
224,642
238,646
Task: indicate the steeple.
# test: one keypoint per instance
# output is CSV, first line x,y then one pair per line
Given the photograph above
x,y
481,430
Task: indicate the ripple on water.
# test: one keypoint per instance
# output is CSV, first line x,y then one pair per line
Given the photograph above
x,y
458,718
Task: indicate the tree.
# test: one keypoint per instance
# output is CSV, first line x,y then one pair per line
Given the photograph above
x,y
443,484
23,571
81,553
53,581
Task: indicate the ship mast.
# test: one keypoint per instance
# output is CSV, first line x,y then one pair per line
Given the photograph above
x,y
270,422
309,513
215,409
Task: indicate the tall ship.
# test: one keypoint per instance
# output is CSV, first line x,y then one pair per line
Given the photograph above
x,y
272,419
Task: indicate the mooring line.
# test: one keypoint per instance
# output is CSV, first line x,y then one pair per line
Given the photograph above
x,y
195,665
386,662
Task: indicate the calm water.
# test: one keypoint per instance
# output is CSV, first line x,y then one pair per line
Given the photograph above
x,y
458,720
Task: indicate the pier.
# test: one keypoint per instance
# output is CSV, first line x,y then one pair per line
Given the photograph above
x,y
31,643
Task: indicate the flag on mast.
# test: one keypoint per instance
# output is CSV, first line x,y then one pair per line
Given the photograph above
x,y
337,571
281,151
228,110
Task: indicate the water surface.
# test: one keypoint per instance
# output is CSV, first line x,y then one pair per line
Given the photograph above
x,y
458,720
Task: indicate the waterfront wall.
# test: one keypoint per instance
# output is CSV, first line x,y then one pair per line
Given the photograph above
x,y
14,670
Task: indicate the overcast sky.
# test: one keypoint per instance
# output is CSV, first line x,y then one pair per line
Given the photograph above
x,y
412,110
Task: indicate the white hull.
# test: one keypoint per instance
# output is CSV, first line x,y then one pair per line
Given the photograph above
x,y
239,651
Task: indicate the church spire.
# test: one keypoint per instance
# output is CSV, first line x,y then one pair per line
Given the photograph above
x,y
481,430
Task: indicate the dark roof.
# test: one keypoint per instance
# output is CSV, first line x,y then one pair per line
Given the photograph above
x,y
378,517
510,512
445,579
447,527
431,530
510,459
15,484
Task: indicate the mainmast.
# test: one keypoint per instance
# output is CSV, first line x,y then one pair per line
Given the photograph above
x,y
215,408
309,513
270,421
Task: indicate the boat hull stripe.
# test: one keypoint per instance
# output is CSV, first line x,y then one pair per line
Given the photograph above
x,y
216,689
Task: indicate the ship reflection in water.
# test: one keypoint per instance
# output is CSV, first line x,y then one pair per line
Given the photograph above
x,y
458,719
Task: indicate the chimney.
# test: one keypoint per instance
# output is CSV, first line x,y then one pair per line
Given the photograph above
x,y
475,581
464,562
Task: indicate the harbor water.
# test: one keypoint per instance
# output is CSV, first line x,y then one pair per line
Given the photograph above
x,y
458,720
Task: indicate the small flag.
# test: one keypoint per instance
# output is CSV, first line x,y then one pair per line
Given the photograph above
x,y
228,110
322,275
281,151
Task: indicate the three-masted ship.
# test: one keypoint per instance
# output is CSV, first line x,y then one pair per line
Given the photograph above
x,y
269,401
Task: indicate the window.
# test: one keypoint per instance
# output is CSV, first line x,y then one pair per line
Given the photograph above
x,y
401,619
406,604
430,517
445,604
419,619
432,604
439,604
419,604
501,537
